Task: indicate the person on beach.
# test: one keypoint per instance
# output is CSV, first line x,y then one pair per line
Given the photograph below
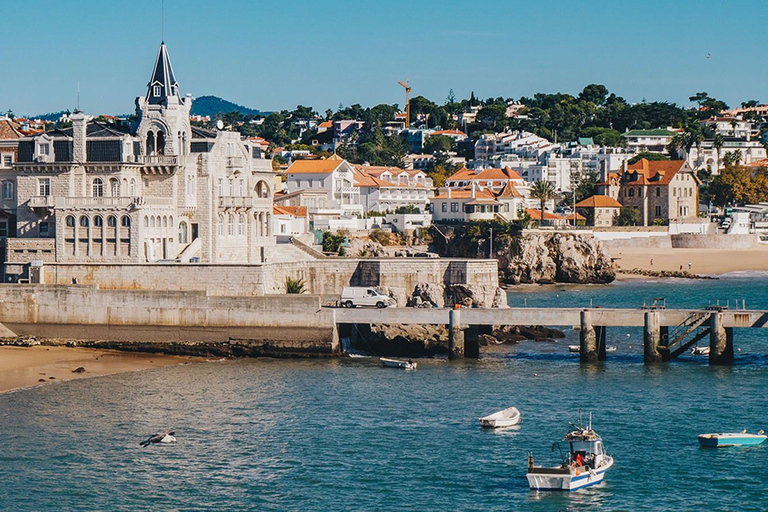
x,y
651,261
689,265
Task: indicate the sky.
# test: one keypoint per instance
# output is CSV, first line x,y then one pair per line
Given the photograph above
x,y
273,55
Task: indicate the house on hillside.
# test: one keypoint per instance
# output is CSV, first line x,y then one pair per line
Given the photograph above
x,y
474,203
654,141
602,210
661,191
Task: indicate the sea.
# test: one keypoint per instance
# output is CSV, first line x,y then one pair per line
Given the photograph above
x,y
349,435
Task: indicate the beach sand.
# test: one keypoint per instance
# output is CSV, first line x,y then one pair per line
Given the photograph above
x,y
26,366
703,261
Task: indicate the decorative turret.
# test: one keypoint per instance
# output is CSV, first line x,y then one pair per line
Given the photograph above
x,y
163,115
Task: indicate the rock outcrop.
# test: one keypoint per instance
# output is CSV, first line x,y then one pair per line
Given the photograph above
x,y
471,296
364,248
556,257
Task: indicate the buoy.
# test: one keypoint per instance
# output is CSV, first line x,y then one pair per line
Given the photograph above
x,y
629,335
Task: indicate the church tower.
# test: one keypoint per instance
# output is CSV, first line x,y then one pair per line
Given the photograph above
x,y
163,115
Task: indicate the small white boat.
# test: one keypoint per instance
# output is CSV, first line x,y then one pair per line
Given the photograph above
x,y
584,463
700,351
723,440
577,348
505,418
398,363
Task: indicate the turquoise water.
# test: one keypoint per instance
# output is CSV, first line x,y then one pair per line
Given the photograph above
x,y
349,435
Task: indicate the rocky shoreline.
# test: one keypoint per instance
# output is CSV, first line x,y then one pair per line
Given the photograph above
x,y
682,274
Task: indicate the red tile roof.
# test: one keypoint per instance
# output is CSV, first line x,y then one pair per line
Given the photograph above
x,y
296,211
314,166
653,172
535,214
598,201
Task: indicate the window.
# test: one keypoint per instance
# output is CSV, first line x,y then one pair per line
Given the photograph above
x,y
3,228
221,187
221,226
70,221
658,191
45,149
125,221
241,225
231,226
444,207
631,192
156,91
98,221
183,232
112,221
658,211
454,207
43,229
44,186
84,221
241,188
7,160
7,190
133,187
114,187
98,188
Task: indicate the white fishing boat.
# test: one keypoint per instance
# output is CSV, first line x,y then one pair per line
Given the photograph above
x,y
398,363
608,349
505,418
584,462
723,440
700,351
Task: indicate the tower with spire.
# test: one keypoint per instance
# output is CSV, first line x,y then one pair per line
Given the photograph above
x,y
162,113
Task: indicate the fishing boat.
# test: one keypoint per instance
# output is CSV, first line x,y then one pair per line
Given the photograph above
x,y
577,348
723,440
504,418
398,363
700,351
584,462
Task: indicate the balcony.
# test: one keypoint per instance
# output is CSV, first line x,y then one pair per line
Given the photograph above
x,y
97,202
238,203
235,162
41,202
158,159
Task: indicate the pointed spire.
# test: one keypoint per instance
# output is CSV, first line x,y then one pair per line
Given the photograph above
x,y
163,83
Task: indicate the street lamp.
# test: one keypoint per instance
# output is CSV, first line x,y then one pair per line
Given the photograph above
x,y
575,178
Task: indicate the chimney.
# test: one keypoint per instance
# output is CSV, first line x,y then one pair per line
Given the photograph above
x,y
473,190
79,123
449,192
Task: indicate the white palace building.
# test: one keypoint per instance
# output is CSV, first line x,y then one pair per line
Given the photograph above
x,y
158,190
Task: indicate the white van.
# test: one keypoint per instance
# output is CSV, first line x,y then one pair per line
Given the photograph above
x,y
353,296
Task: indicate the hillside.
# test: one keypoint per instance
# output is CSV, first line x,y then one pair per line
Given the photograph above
x,y
213,105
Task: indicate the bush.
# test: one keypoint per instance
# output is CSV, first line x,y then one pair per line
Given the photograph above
x,y
332,241
294,285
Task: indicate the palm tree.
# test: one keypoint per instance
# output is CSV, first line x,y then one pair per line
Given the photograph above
x,y
294,285
543,191
718,143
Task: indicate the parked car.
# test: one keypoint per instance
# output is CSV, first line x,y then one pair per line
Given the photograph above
x,y
354,296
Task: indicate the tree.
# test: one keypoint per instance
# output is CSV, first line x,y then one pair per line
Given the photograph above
x,y
718,142
749,104
739,185
647,156
628,217
492,115
437,144
543,191
296,285
332,242
594,93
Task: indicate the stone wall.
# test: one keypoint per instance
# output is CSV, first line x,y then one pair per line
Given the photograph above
x,y
322,277
688,241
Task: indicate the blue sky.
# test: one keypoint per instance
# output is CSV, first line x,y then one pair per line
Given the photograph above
x,y
272,55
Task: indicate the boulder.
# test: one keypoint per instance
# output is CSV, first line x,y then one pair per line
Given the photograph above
x,y
428,293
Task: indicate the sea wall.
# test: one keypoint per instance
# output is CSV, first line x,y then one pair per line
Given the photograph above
x,y
280,324
321,277
689,241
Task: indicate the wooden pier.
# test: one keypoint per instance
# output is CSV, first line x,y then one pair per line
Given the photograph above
x,y
667,333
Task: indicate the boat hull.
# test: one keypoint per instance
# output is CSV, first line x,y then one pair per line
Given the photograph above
x,y
506,418
727,440
395,363
557,479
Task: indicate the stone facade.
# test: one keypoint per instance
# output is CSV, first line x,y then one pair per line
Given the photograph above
x,y
159,189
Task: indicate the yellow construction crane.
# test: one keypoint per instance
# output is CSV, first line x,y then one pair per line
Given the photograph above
x,y
407,86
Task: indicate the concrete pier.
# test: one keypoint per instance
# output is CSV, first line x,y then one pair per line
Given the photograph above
x,y
720,341
587,339
651,338
472,342
455,335
600,336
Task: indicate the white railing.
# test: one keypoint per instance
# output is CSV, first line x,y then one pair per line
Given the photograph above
x,y
244,202
41,202
158,159
100,202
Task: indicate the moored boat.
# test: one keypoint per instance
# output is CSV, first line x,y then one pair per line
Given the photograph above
x,y
577,348
505,418
398,363
700,351
583,464
726,439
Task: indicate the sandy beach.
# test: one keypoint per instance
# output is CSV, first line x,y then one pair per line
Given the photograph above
x,y
29,366
702,261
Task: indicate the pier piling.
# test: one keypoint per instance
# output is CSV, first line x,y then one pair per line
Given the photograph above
x,y
455,335
587,339
651,338
720,341
472,342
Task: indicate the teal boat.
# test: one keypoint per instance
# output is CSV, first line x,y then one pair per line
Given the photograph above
x,y
723,440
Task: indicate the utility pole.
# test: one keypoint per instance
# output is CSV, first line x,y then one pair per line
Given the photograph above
x,y
574,185
491,243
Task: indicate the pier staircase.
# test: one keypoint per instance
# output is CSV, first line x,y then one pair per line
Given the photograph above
x,y
674,342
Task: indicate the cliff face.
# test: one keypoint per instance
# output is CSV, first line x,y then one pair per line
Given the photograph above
x,y
533,257
556,257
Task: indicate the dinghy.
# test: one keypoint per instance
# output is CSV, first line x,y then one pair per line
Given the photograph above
x,y
723,440
505,418
398,363
700,351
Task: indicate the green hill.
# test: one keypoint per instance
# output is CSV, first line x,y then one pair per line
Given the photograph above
x,y
213,105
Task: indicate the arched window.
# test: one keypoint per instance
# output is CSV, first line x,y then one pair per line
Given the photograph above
x,y
221,226
231,226
133,187
98,188
262,190
146,221
84,221
112,221
160,143
151,222
241,225
125,221
98,221
7,190
165,222
114,187
183,237
151,143
70,221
